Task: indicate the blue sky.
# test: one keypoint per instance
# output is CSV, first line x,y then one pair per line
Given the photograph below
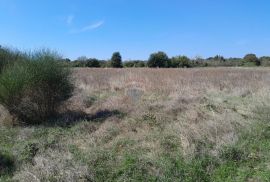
x,y
136,28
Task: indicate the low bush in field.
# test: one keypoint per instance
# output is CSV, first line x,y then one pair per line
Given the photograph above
x,y
32,89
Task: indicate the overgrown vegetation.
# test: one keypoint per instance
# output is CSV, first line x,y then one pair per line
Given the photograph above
x,y
33,88
124,160
9,57
134,124
135,64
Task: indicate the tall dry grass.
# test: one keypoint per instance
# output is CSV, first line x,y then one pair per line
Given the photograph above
x,y
193,104
189,81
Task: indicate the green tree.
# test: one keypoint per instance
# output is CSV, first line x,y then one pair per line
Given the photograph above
x,y
180,62
252,58
219,58
94,63
116,60
159,59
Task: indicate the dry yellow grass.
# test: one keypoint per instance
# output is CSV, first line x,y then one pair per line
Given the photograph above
x,y
191,104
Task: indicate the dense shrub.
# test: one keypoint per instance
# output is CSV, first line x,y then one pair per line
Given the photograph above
x,y
180,62
159,59
265,61
77,63
252,58
134,64
93,63
32,89
8,56
219,61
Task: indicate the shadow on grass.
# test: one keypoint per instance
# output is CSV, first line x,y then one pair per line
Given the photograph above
x,y
70,118
7,164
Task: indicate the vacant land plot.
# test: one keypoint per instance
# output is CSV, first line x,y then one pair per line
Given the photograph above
x,y
207,124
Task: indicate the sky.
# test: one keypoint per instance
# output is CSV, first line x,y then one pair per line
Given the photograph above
x,y
137,28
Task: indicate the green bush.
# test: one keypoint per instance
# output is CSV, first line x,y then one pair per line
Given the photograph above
x,y
180,62
33,89
134,64
8,57
92,63
265,61
252,58
158,60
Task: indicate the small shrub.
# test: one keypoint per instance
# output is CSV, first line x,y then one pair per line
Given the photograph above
x,y
33,89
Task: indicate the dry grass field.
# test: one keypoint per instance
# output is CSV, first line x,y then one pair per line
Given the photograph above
x,y
205,124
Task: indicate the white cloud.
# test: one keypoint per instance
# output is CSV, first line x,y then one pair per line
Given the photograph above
x,y
93,26
88,28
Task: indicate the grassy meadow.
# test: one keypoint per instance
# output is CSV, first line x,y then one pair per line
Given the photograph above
x,y
200,124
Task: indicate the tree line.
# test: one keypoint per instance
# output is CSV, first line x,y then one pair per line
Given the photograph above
x,y
162,60
156,60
